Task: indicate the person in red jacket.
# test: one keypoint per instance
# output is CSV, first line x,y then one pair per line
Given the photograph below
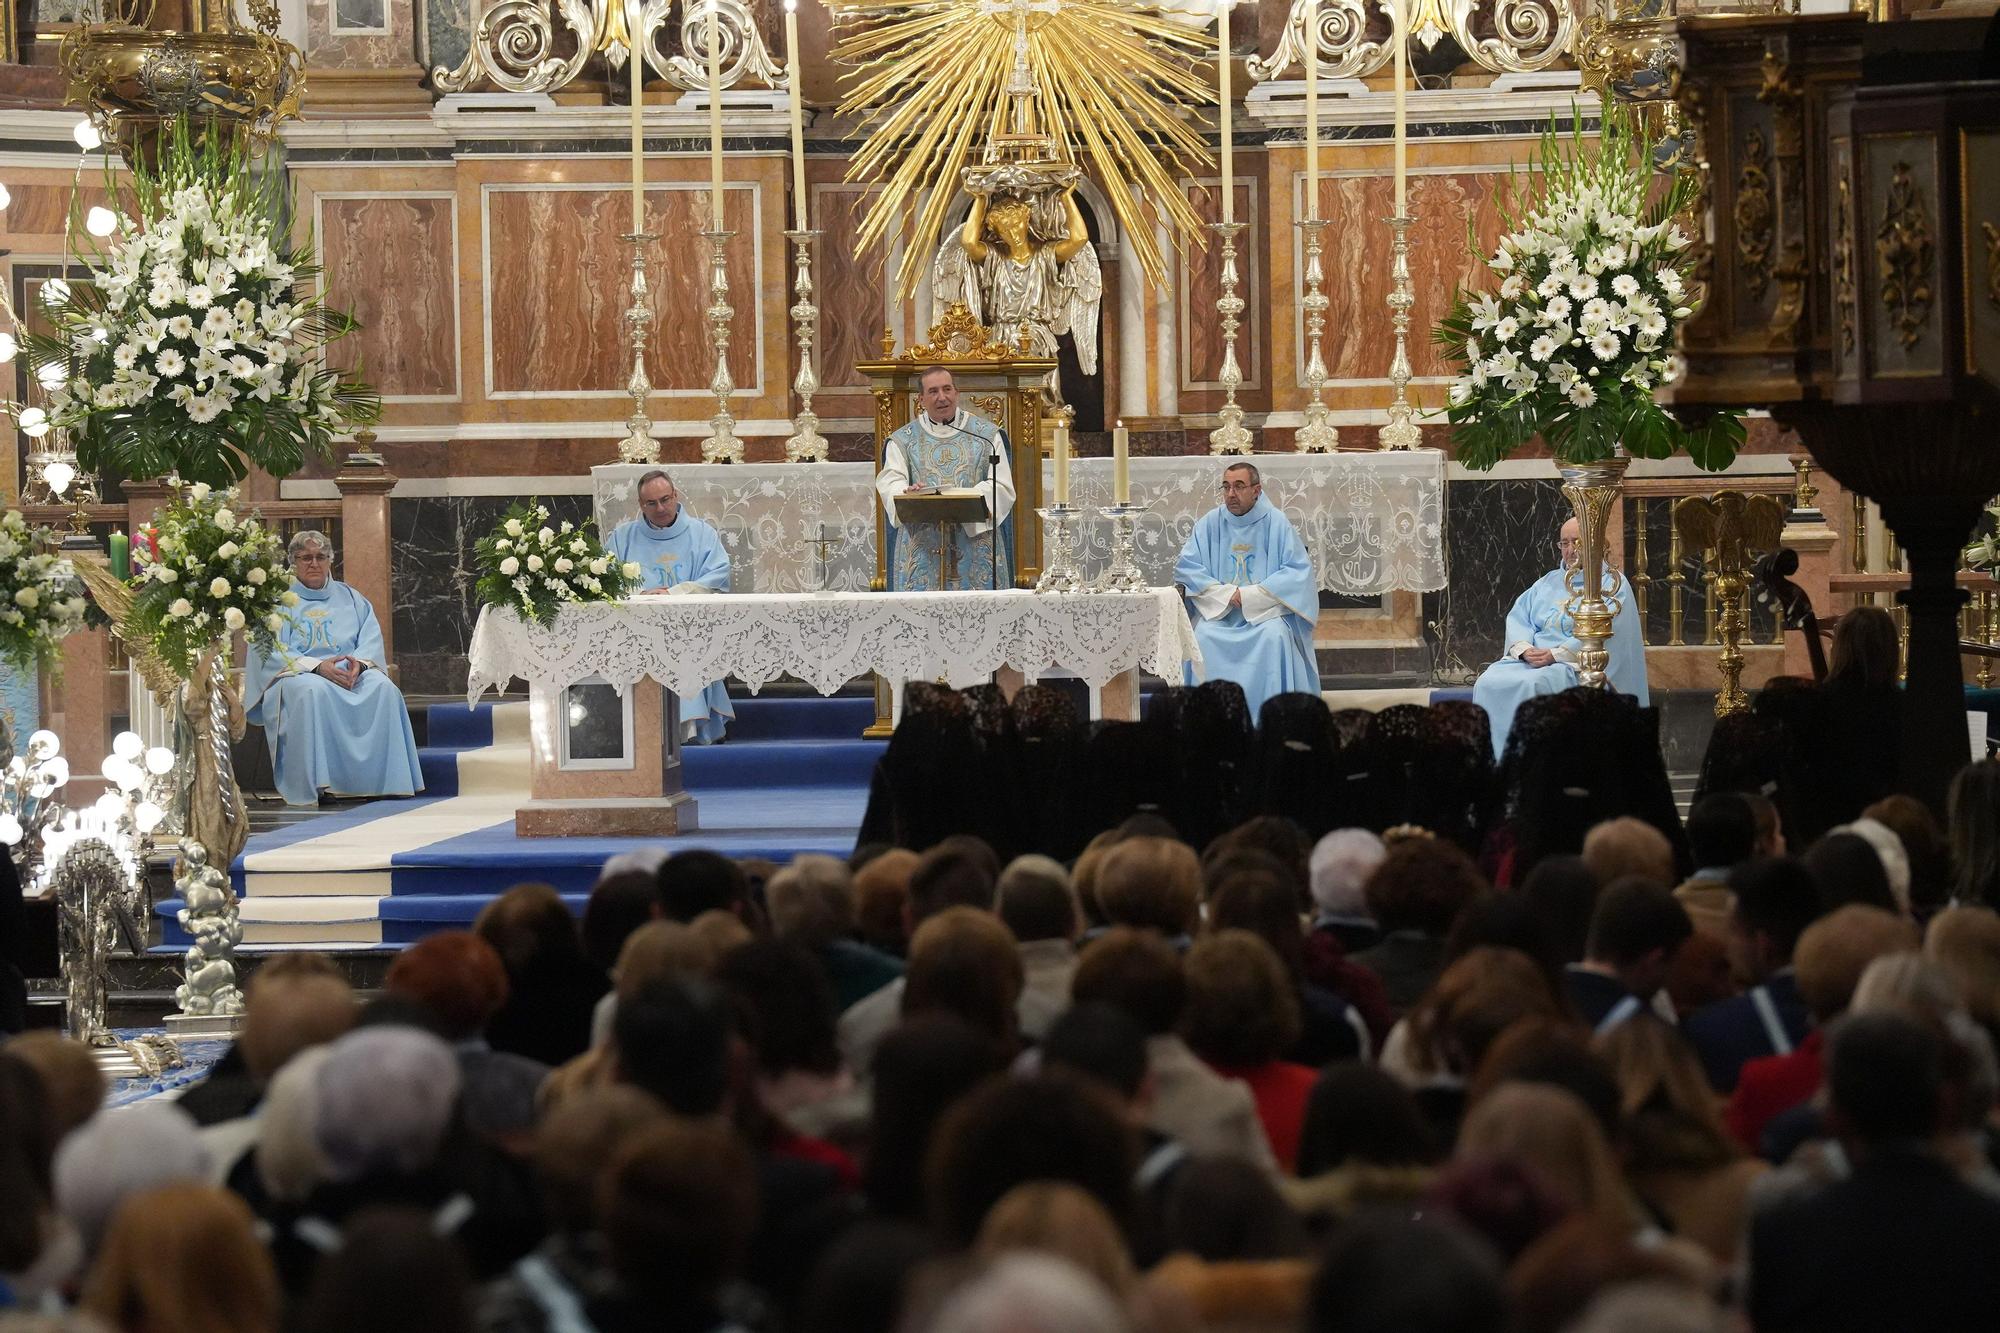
x,y
1831,956
1241,1013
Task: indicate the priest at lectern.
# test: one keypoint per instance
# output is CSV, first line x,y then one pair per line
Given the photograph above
x,y
936,471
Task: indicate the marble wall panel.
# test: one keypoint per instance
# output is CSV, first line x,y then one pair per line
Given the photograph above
x,y
850,283
42,209
432,577
1359,256
1499,538
1201,283
389,261
557,277
361,34
443,32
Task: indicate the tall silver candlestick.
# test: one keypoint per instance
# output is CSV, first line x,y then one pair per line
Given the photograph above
x,y
1062,570
721,446
639,446
807,445
1123,574
1318,435
1229,437
1401,432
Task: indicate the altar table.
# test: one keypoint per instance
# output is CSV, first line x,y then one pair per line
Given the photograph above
x,y
823,639
1372,522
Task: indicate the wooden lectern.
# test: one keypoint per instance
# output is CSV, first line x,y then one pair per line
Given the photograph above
x,y
942,508
995,381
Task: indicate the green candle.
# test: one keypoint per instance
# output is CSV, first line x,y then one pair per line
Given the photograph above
x,y
121,556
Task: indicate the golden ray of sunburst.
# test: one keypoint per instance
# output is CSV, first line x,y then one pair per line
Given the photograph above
x,y
1122,87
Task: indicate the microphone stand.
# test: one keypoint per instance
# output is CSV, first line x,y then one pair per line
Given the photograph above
x,y
993,503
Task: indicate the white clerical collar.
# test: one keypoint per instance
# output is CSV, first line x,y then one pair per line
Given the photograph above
x,y
942,429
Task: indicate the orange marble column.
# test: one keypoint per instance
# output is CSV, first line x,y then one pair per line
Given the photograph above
x,y
87,699
364,545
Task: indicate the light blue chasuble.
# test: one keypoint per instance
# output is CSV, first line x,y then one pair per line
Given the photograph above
x,y
955,455
1537,620
354,742
1266,644
686,551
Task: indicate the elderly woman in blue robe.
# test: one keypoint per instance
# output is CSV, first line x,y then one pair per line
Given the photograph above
x,y
1250,584
334,720
1542,649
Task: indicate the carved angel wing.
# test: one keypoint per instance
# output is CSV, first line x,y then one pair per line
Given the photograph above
x,y
1083,294
952,279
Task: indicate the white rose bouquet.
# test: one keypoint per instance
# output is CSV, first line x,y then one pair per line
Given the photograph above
x,y
41,598
534,565
1592,278
213,572
190,346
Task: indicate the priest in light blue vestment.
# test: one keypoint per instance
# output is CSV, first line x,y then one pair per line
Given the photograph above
x,y
948,448
1246,575
1542,648
334,720
677,555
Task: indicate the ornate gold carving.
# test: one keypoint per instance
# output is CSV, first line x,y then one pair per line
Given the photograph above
x,y
1694,108
1756,217
1907,250
533,46
1846,301
1730,525
1781,92
959,337
1992,234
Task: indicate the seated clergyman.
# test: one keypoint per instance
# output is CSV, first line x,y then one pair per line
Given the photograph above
x,y
677,554
1542,648
335,722
1247,576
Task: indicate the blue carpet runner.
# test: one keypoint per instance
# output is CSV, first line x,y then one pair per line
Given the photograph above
x,y
791,778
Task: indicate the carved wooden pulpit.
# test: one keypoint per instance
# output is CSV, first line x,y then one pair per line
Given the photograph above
x,y
995,381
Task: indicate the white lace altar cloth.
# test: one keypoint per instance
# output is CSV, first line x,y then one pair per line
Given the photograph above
x,y
828,639
1372,522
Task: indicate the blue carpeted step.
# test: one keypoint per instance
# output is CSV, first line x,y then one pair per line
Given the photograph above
x,y
840,717
440,770
406,920
454,726
754,764
1456,693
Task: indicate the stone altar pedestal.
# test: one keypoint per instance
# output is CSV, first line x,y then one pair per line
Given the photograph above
x,y
604,765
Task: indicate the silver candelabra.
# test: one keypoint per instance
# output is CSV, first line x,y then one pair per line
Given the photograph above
x,y
1230,437
806,445
721,446
639,446
1401,432
1063,567
1318,435
1122,573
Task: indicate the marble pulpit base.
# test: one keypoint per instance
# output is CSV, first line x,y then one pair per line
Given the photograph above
x,y
642,798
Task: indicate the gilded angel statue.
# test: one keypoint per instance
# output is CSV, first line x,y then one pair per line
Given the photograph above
x,y
1024,266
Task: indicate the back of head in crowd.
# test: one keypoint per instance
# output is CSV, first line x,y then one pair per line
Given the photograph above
x,y
1635,929
1339,868
1721,831
1627,847
1034,899
692,882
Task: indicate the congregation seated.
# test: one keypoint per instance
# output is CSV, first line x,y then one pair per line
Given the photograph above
x,y
1146,1083
333,719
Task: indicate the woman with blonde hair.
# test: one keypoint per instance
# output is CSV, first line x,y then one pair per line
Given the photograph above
x,y
1679,1157
183,1259
1548,1130
1058,1218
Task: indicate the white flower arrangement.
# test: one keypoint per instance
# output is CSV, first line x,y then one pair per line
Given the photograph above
x,y
1593,285
190,346
42,600
211,572
535,568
